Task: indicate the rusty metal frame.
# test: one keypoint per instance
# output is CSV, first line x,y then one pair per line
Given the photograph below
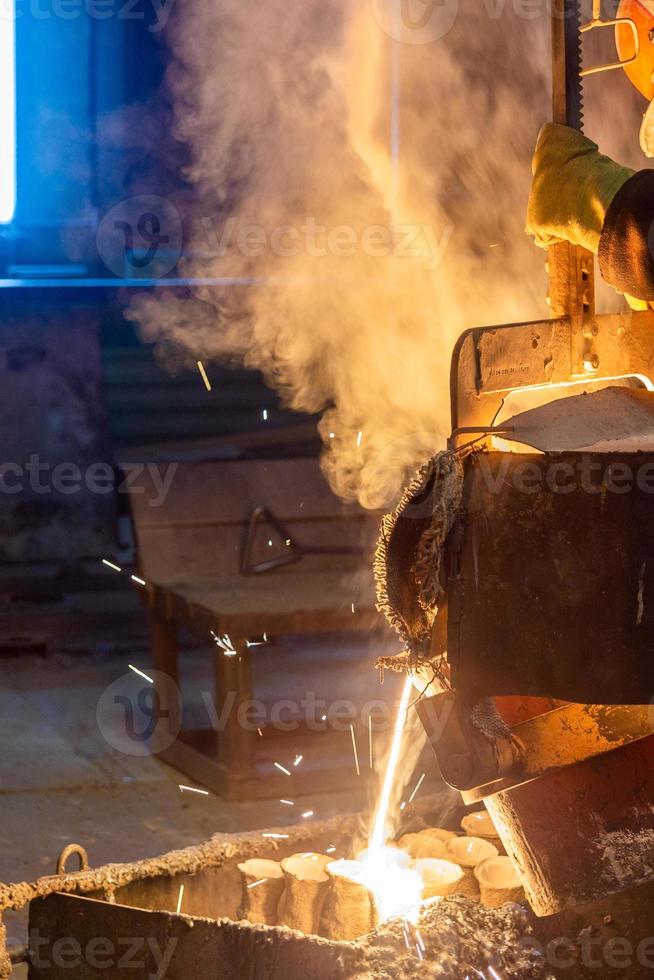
x,y
197,946
128,883
209,871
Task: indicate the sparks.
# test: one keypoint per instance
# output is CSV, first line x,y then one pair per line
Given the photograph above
x,y
324,718
307,813
331,435
277,836
417,787
370,741
359,437
264,414
192,789
207,383
354,747
140,673
225,644
352,607
139,581
259,882
282,768
288,802
419,952
402,805
180,898
492,972
298,760
420,940
331,849
110,564
260,732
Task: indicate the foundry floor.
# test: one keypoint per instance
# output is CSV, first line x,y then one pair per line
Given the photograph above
x,y
59,779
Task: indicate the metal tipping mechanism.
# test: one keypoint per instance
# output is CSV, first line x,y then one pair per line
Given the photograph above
x,y
571,269
568,752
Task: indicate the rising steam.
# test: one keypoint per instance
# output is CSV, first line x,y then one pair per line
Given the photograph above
x,y
374,191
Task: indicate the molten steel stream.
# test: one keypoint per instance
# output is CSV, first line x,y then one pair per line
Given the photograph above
x,y
396,889
378,836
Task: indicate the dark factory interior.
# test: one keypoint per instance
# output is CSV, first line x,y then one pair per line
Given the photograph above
x,y
327,431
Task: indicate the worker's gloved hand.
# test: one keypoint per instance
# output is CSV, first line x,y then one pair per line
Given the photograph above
x,y
572,188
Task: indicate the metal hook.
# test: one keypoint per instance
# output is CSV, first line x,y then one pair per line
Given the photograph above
x,y
67,852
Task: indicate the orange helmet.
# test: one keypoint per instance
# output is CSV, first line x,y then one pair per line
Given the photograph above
x,y
638,56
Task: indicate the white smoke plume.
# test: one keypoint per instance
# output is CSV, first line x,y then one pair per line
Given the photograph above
x,y
374,190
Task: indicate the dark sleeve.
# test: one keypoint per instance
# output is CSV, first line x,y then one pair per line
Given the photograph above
x,y
626,248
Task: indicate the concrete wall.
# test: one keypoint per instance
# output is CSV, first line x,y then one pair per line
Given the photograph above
x,y
56,502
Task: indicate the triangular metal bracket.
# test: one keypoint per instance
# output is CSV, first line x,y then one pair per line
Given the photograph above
x,y
292,552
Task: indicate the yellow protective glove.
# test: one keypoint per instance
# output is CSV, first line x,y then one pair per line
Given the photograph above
x,y
572,188
637,304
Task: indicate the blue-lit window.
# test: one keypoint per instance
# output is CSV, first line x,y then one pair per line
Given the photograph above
x,y
7,113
